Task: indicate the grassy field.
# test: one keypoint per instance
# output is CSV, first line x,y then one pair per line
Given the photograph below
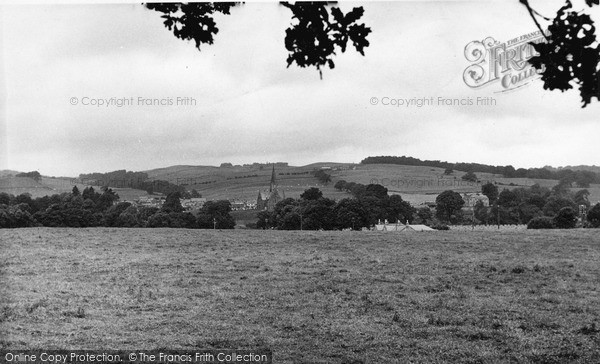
x,y
312,297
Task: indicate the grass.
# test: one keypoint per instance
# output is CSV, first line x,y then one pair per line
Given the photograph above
x,y
312,297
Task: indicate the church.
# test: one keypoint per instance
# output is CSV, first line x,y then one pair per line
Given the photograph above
x,y
267,200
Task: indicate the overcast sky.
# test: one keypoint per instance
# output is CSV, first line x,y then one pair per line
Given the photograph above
x,y
251,108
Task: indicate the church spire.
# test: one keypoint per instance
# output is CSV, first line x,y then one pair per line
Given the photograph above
x,y
273,181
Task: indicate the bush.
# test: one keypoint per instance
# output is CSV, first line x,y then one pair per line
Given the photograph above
x,y
594,215
542,222
440,227
566,218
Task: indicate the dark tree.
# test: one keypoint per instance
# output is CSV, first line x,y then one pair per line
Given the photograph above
x,y
491,191
470,177
399,210
566,218
316,32
340,185
318,214
172,203
312,193
192,21
106,199
35,175
581,198
350,213
508,198
377,191
75,191
542,222
593,215
447,204
4,198
316,35
481,212
555,204
216,214
425,215
570,53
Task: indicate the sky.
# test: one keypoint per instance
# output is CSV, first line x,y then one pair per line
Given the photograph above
x,y
56,60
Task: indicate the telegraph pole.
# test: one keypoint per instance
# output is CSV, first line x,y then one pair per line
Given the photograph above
x,y
498,214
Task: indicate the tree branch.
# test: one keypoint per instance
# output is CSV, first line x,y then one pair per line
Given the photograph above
x,y
532,14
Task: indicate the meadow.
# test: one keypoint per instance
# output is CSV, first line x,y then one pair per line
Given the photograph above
x,y
311,297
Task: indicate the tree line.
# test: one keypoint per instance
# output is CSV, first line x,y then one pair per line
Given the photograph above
x,y
312,211
130,179
536,206
91,208
567,176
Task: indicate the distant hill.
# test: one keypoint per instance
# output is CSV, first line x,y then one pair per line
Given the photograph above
x,y
50,186
416,184
595,169
8,172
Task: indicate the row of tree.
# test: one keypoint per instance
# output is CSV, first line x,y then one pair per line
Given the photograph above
x,y
91,208
537,206
137,180
35,175
312,211
567,176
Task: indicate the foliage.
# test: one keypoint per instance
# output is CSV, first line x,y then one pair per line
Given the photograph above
x,y
593,215
582,178
192,21
491,191
35,175
312,193
216,214
322,176
91,208
316,32
314,212
570,53
470,177
172,203
313,38
555,203
425,215
542,222
566,218
340,185
448,203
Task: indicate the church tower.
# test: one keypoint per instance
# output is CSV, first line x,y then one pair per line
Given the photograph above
x,y
268,200
273,185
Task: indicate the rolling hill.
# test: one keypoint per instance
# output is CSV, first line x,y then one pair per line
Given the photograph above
x,y
50,186
416,184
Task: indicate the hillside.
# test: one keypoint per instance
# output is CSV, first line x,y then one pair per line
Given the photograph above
x,y
416,184
50,186
7,172
595,169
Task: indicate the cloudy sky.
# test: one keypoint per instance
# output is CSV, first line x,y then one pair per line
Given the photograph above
x,y
251,108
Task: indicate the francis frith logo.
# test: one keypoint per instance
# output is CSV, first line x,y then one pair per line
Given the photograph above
x,y
505,63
